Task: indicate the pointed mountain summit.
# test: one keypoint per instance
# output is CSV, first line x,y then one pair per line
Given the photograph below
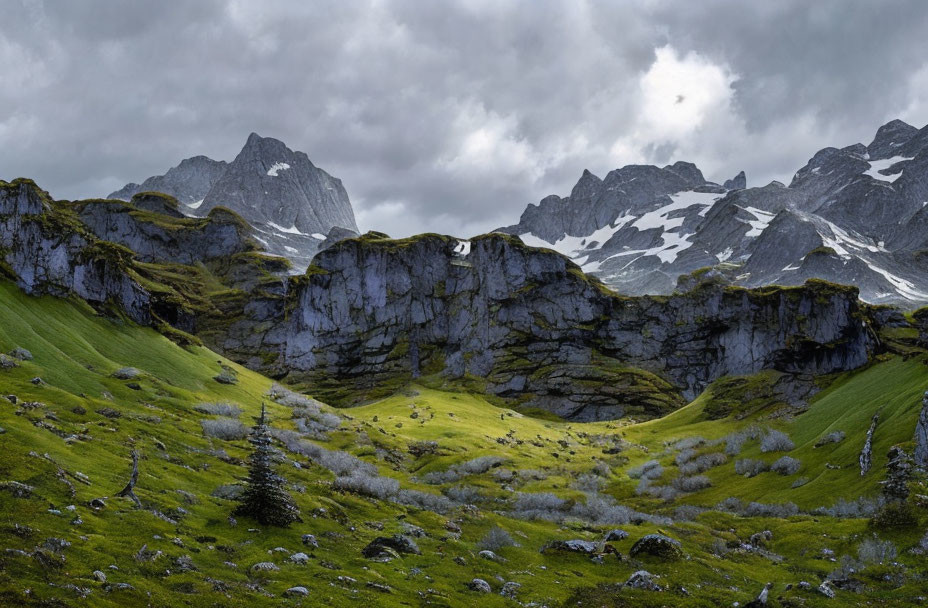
x,y
738,182
188,182
268,183
292,204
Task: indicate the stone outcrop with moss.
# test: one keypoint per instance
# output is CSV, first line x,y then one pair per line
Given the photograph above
x,y
527,324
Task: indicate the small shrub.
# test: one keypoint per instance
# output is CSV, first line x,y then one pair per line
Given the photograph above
x,y
833,437
503,475
689,443
876,551
454,473
228,410
423,500
750,467
224,428
374,486
703,463
854,509
652,469
588,483
786,465
776,441
735,441
687,512
496,539
895,514
691,484
759,509
465,495
685,456
226,376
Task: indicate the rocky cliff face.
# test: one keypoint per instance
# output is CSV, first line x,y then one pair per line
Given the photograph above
x,y
372,312
152,226
533,327
47,251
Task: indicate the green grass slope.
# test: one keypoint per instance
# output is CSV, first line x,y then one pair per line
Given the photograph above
x,y
70,438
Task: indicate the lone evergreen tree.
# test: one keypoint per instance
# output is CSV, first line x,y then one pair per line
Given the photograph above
x,y
265,498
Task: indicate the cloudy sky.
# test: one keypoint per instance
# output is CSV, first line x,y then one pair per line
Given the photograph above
x,y
450,116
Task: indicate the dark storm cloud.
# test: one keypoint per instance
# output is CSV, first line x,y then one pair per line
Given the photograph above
x,y
450,116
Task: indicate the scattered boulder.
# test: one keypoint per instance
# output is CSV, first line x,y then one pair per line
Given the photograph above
x,y
21,353
7,362
616,535
299,558
185,563
642,579
99,575
265,567
389,547
657,545
510,589
487,554
296,592
761,600
37,381
12,399
480,586
126,373
17,489
310,541
827,589
570,546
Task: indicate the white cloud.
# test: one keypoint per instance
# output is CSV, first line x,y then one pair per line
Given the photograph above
x,y
676,97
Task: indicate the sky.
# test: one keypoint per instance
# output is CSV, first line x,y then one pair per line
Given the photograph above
x,y
450,116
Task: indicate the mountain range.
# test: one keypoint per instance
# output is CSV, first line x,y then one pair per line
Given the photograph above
x,y
854,215
293,205
463,422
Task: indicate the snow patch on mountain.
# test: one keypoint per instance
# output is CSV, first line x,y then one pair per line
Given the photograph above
x,y
881,165
276,167
291,230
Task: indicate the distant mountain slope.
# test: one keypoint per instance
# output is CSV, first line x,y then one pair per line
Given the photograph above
x,y
854,215
188,182
293,205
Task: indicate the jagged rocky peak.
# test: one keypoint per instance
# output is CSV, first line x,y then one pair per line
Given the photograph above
x,y
188,182
890,138
688,172
268,183
738,182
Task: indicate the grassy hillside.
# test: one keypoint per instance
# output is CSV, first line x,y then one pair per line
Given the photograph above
x,y
476,466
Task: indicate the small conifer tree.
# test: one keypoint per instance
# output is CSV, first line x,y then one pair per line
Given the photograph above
x,y
265,498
